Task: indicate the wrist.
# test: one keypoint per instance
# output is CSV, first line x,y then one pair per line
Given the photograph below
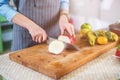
x,y
65,13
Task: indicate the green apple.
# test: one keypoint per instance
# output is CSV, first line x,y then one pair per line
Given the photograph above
x,y
86,26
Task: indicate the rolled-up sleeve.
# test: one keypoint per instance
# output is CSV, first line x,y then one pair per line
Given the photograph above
x,y
64,4
6,10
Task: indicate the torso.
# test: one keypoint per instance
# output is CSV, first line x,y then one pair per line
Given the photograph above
x,y
45,13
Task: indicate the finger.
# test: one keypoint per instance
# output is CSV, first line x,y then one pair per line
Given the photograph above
x,y
33,38
40,39
62,31
73,30
69,30
44,37
71,27
37,39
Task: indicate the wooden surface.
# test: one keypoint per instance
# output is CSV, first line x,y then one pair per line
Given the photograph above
x,y
39,59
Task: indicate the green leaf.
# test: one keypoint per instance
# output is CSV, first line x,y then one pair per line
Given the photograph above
x,y
118,47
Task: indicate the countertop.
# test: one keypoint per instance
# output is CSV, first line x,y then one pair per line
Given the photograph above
x,y
104,67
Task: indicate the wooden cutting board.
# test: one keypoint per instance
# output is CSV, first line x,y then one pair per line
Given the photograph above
x,y
39,59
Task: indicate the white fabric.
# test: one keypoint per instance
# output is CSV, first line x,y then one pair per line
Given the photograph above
x,y
104,67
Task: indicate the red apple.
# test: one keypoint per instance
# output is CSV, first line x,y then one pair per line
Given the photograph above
x,y
118,51
67,38
72,38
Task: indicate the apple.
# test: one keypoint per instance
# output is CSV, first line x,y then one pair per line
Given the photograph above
x,y
117,54
64,38
86,26
56,47
72,38
67,38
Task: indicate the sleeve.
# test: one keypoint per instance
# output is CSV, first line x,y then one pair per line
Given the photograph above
x,y
64,5
6,10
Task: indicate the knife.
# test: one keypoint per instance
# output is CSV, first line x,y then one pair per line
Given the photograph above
x,y
68,45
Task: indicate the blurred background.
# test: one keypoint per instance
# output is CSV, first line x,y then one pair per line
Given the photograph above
x,y
6,33
99,13
106,10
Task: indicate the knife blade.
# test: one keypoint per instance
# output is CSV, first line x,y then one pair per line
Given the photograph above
x,y
68,45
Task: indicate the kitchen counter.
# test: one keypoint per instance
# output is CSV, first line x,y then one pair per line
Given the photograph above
x,y
104,67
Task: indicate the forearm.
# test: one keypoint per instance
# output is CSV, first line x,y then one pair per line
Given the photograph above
x,y
37,33
23,21
64,8
64,13
64,18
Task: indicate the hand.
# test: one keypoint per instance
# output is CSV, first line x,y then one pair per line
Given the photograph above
x,y
38,34
65,25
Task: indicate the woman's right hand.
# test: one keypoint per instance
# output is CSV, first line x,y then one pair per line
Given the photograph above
x,y
38,34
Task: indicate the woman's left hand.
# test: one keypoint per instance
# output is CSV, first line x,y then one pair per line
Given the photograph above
x,y
65,25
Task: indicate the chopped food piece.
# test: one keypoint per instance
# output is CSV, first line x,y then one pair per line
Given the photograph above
x,y
67,38
64,38
56,47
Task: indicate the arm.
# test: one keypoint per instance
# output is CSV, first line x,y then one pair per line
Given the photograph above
x,y
64,18
64,7
37,33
